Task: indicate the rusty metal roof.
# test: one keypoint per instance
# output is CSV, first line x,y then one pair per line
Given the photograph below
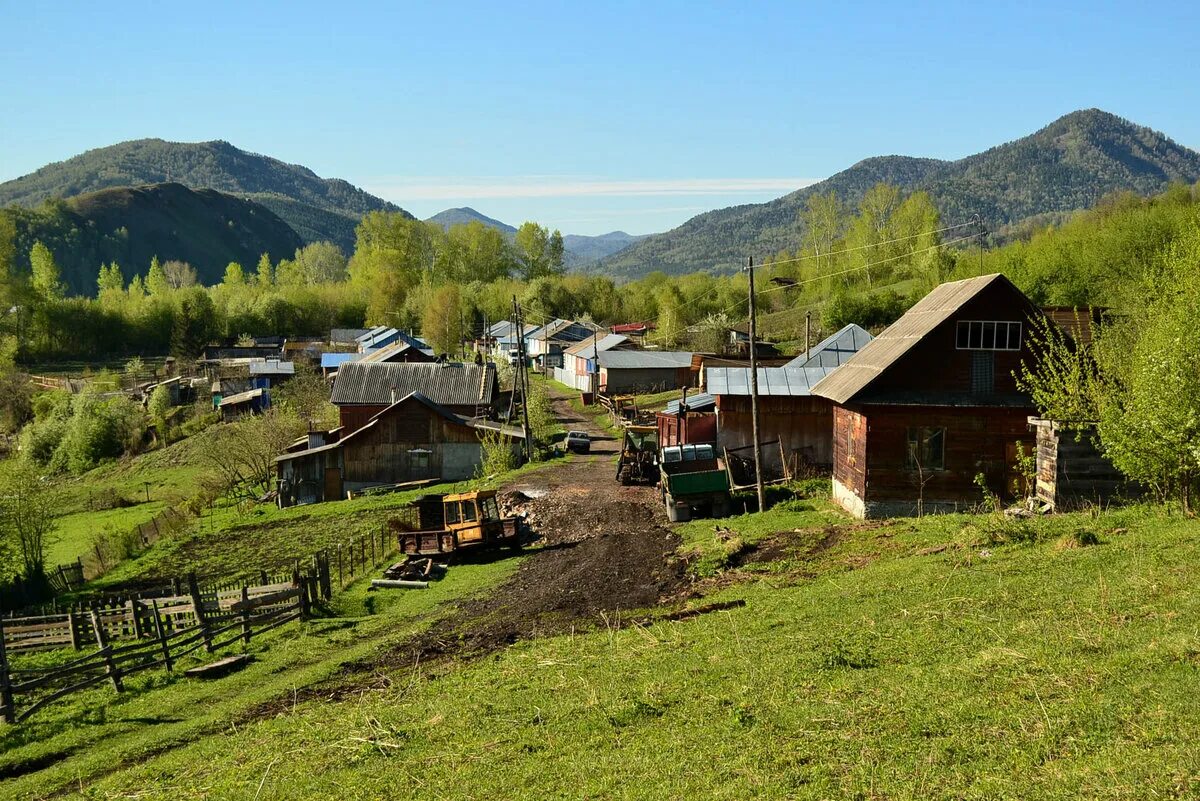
x,y
451,384
901,336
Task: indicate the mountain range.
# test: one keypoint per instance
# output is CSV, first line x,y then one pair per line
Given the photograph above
x,y
1068,165
580,251
315,208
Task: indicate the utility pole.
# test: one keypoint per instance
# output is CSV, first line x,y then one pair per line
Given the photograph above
x,y
982,232
594,382
523,379
807,335
758,479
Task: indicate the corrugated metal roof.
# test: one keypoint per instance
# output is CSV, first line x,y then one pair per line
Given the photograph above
x,y
392,351
606,342
643,359
695,403
780,381
901,336
452,384
836,349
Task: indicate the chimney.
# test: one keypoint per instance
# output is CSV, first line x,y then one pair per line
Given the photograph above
x,y
393,394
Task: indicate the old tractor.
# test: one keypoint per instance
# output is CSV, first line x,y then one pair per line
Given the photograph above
x,y
458,524
638,463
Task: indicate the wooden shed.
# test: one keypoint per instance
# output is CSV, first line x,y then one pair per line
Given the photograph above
x,y
413,439
1071,470
647,370
362,390
931,403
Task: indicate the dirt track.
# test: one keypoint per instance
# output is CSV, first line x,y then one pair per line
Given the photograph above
x,y
602,549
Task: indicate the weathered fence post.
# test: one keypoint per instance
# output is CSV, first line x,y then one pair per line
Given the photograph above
x,y
114,674
262,574
246,615
303,596
161,635
133,615
7,713
74,624
373,559
341,581
198,611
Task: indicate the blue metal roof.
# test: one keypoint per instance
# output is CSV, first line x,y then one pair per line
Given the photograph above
x,y
835,350
788,381
336,359
700,402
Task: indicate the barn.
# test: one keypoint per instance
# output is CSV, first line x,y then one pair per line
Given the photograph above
x,y
931,403
646,370
413,439
363,390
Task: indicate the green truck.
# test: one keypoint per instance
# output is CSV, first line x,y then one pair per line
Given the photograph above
x,y
693,480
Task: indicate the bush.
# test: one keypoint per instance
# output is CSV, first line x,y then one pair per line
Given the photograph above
x,y
869,311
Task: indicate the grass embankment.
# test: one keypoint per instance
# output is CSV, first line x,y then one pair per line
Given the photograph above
x,y
903,659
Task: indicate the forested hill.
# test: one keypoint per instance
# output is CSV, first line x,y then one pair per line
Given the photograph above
x,y
466,215
1068,165
316,208
131,225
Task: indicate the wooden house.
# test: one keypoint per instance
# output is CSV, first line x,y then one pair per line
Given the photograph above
x,y
254,401
544,346
362,390
931,403
795,426
411,440
579,360
647,370
399,352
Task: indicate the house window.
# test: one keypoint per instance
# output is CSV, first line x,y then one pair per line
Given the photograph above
x,y
418,461
988,335
926,449
983,372
468,511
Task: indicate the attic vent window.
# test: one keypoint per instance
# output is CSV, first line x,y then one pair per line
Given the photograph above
x,y
988,335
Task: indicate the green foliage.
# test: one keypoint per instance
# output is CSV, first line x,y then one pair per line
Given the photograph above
x,y
159,407
868,310
28,508
74,433
498,456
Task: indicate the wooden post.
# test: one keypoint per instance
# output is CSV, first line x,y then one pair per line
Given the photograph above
x,y
7,713
133,615
198,611
341,581
114,674
373,559
303,594
245,616
758,479
74,624
162,635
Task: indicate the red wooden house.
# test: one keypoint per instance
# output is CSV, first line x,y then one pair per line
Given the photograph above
x,y
931,403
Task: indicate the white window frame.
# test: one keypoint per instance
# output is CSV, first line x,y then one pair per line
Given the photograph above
x,y
978,330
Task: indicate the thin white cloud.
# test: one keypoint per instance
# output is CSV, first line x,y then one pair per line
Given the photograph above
x,y
456,188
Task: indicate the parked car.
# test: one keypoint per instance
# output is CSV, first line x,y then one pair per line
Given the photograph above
x,y
578,442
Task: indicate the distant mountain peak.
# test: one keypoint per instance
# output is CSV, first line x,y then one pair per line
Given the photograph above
x,y
1069,164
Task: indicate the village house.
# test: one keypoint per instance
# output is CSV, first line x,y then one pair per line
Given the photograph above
x,y
398,352
931,403
346,338
502,341
544,346
411,440
381,336
362,390
795,425
631,371
233,407
579,363
269,373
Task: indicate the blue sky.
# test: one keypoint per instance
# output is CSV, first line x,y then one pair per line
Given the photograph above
x,y
586,117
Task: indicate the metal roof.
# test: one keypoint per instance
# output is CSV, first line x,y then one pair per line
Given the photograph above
x,y
345,336
695,403
271,367
783,381
644,359
452,384
903,335
391,351
242,397
836,349
337,359
599,345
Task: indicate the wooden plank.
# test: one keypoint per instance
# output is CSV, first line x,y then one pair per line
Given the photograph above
x,y
222,667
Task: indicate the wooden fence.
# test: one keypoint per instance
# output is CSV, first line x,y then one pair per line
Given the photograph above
x,y
140,635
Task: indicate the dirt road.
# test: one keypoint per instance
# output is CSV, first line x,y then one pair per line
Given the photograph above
x,y
603,549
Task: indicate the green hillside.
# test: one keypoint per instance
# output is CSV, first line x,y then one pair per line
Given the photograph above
x,y
316,208
131,225
1068,165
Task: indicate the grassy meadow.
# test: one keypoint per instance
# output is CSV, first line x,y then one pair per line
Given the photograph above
x,y
948,657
